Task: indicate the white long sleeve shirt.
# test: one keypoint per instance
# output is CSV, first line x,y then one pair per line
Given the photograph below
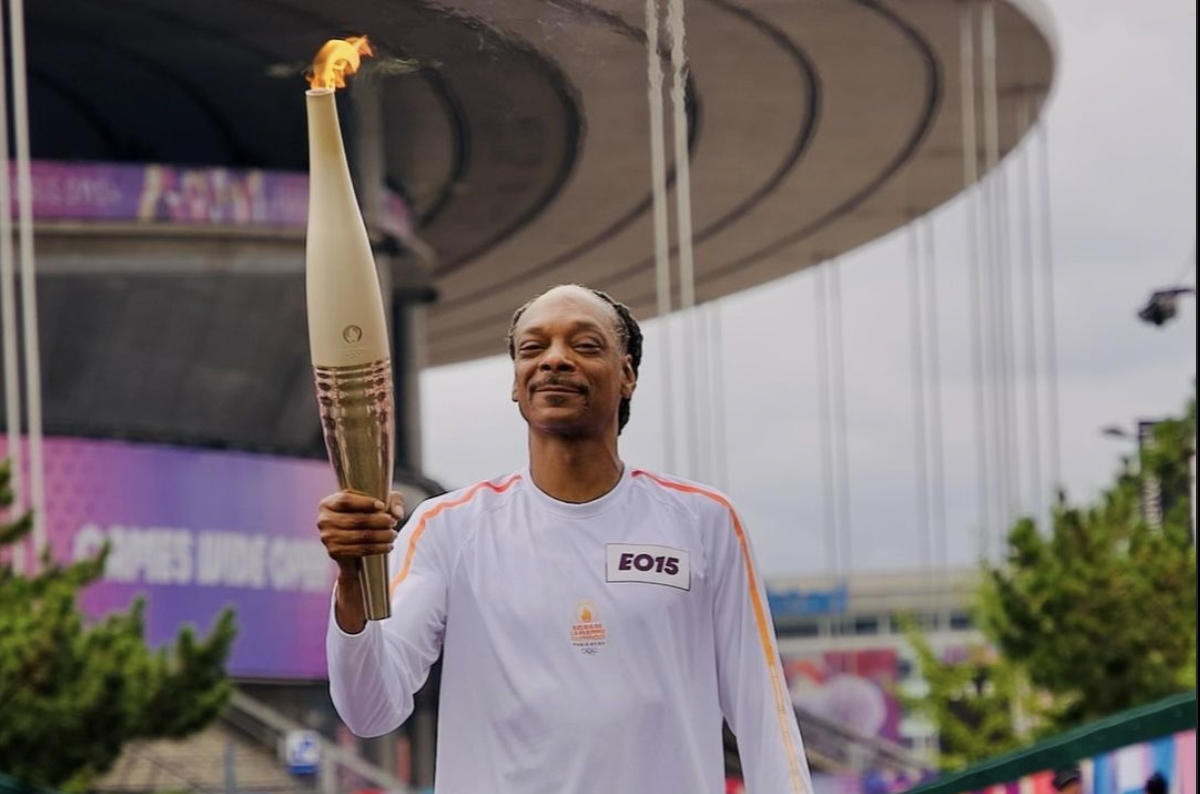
x,y
588,648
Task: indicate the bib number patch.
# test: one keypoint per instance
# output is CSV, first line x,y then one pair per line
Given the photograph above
x,y
648,565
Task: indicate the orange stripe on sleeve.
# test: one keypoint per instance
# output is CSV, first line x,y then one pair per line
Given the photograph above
x,y
420,529
765,632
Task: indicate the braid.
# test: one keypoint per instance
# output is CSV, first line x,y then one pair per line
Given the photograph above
x,y
628,331
630,334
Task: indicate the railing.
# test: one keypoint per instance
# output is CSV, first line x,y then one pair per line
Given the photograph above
x,y
1145,723
270,727
833,746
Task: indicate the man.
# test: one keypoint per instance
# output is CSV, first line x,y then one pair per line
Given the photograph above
x,y
1068,780
597,621
1157,784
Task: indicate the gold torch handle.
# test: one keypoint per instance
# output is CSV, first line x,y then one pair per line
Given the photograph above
x,y
357,418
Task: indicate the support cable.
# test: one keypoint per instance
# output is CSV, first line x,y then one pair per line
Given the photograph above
x,y
720,437
997,410
29,314
829,502
1029,323
841,426
662,242
1050,321
683,229
937,446
970,150
917,396
8,310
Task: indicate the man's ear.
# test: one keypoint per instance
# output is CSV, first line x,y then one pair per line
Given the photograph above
x,y
514,389
628,377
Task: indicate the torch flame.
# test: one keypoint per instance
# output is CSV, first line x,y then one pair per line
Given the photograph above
x,y
337,60
585,615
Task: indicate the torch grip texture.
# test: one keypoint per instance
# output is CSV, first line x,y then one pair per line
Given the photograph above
x,y
357,418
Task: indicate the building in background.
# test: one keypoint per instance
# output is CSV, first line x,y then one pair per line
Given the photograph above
x,y
846,656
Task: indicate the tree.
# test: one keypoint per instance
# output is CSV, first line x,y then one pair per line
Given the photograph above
x,y
72,694
1102,613
1097,616
972,702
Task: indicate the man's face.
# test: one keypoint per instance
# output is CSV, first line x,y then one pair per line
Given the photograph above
x,y
1074,787
571,370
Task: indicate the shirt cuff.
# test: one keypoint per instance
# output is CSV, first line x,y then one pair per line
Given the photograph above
x,y
334,629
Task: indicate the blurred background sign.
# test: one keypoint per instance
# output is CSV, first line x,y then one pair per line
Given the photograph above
x,y
302,750
804,603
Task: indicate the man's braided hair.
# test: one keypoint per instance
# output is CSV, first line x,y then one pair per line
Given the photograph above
x,y
628,331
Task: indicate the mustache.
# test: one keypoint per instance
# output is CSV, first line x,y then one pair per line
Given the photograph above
x,y
554,382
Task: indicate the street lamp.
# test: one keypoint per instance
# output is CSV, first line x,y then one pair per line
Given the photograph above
x,y
1163,305
1151,487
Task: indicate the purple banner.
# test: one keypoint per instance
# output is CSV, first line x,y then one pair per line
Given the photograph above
x,y
195,531
168,194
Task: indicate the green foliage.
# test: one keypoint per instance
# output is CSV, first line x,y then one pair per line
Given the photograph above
x,y
1094,617
72,694
1102,613
973,702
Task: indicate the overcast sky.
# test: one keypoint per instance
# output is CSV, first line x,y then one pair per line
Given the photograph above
x,y
1122,127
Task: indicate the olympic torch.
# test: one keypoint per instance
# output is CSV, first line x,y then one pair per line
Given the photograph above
x,y
347,332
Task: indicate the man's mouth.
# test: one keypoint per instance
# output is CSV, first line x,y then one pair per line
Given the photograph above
x,y
558,388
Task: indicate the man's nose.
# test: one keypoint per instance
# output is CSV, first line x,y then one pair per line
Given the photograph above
x,y
557,359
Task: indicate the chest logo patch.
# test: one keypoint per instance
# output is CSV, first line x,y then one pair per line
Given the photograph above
x,y
648,565
587,632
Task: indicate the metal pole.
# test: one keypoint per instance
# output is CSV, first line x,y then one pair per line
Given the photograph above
x,y
683,178
8,310
920,434
683,229
704,471
842,447
1050,324
825,419
937,462
662,243
970,145
29,315
1029,322
230,769
1004,299
328,775
720,445
1001,453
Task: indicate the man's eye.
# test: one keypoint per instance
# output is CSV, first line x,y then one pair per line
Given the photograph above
x,y
528,349
587,347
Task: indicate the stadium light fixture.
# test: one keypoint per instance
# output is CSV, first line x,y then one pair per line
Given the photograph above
x,y
1163,305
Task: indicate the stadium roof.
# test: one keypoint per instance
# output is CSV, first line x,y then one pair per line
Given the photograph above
x,y
518,134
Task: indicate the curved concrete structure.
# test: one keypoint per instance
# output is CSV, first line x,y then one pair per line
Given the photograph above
x,y
818,127
518,133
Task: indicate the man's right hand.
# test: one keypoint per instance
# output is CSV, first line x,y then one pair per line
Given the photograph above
x,y
354,526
